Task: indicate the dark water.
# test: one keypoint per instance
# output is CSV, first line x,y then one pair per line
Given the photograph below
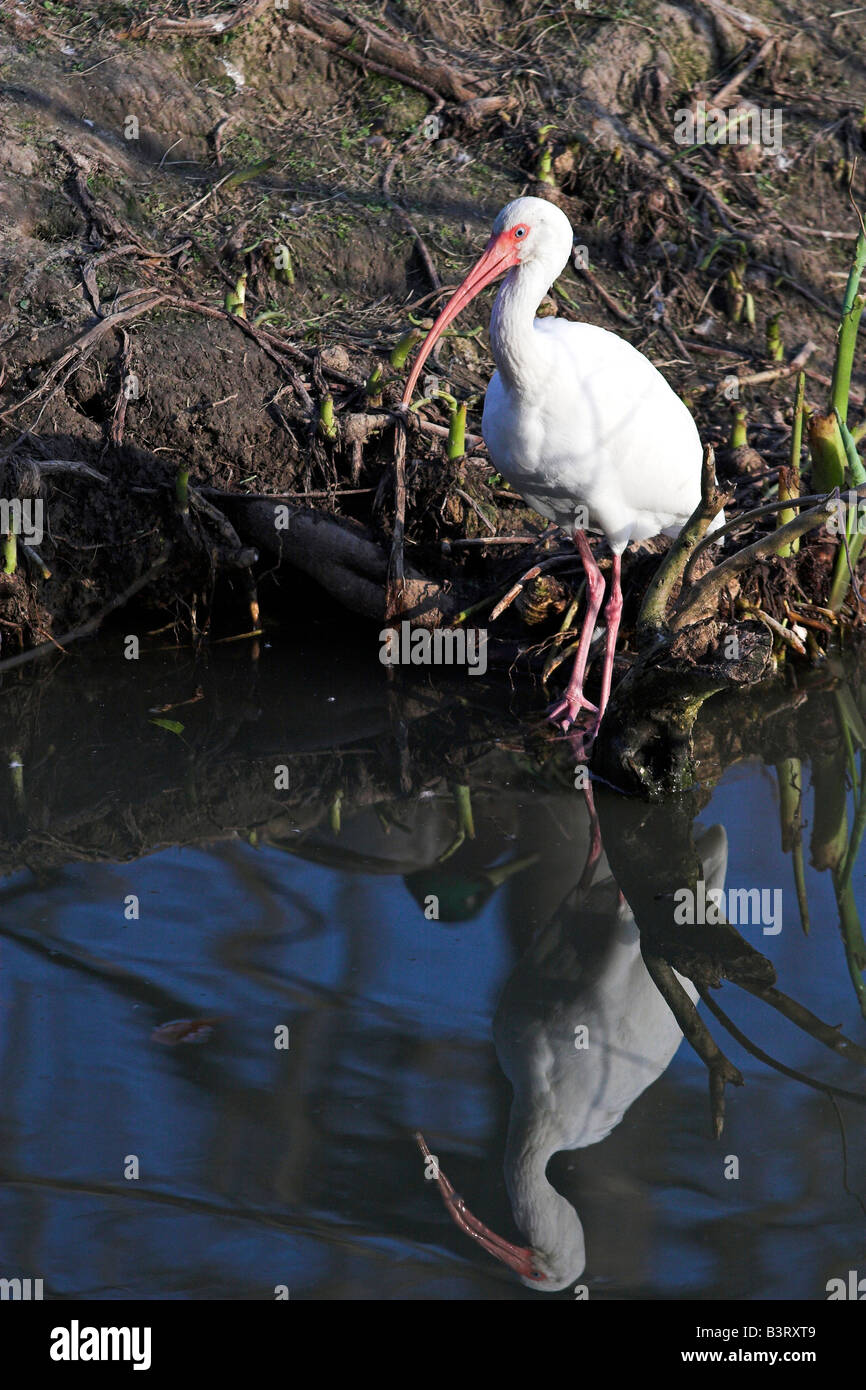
x,y
263,908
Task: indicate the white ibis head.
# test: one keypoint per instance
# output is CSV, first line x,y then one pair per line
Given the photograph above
x,y
527,232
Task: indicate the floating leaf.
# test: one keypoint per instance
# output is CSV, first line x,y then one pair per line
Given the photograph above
x,y
173,726
184,1030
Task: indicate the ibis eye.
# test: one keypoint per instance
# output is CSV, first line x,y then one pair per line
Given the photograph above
x,y
519,232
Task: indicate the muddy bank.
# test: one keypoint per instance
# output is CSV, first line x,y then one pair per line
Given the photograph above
x,y
158,177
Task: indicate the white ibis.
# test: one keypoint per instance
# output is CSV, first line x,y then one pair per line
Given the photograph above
x,y
580,423
583,970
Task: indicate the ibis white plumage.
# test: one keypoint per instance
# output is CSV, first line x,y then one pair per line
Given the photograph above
x,y
580,423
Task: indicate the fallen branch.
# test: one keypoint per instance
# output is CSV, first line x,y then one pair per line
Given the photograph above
x,y
359,42
831,1036
776,373
608,299
374,46
745,518
84,346
724,93
748,610
239,555
205,27
704,592
746,22
262,339
507,599
118,418
487,540
46,467
283,496
652,619
396,574
420,244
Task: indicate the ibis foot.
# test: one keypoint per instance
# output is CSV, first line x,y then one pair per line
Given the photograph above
x,y
568,710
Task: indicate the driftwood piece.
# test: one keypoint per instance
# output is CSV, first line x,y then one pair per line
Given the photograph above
x,y
652,620
341,556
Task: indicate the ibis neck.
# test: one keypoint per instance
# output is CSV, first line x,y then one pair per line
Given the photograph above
x,y
548,1221
518,349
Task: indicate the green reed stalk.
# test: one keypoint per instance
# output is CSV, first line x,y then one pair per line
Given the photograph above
x,y
852,309
457,433
789,478
10,553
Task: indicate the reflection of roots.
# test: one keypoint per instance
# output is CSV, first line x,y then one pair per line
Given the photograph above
x,y
765,1057
696,1033
721,1070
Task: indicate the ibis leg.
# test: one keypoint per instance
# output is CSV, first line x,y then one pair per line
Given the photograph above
x,y
612,615
574,700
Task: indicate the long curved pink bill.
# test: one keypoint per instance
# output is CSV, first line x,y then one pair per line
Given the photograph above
x,y
499,256
517,1257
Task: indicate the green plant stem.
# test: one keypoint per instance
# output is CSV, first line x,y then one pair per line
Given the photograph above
x,y
739,437
799,866
327,423
283,268
790,776
790,486
852,937
181,488
10,553
374,383
400,353
846,558
775,346
457,433
852,308
463,802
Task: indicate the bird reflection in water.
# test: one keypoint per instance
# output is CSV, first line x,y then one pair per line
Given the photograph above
x,y
581,1031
